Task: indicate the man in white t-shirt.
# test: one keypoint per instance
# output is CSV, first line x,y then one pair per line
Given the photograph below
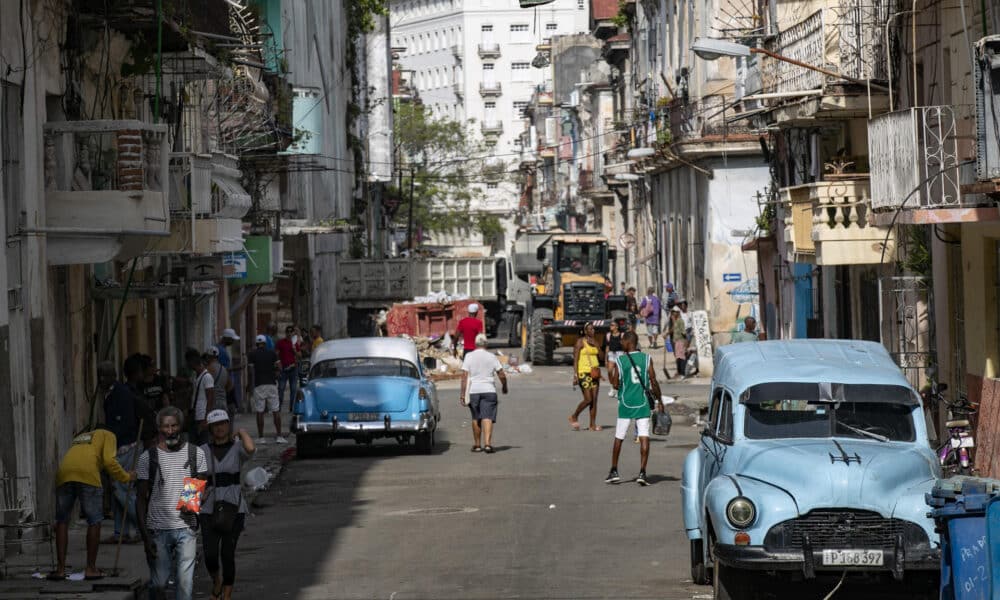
x,y
479,392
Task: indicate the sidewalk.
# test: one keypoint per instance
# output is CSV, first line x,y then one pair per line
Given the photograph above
x,y
133,573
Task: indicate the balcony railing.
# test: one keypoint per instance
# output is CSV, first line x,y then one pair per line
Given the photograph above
x,y
489,50
703,117
829,223
917,155
848,38
456,51
459,88
490,88
492,127
104,179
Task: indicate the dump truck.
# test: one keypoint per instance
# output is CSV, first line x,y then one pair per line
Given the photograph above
x,y
569,271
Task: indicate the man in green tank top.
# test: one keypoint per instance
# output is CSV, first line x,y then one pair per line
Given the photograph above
x,y
632,374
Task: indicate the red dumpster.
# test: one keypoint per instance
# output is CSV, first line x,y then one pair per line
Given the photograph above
x,y
431,320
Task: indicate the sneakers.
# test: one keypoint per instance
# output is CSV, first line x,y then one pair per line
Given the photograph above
x,y
612,393
613,476
280,440
261,441
641,479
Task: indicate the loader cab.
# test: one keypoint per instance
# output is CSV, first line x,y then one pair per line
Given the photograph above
x,y
579,268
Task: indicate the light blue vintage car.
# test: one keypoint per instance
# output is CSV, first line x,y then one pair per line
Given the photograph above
x,y
365,389
814,463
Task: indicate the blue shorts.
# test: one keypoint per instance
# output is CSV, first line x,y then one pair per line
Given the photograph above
x,y
91,502
483,406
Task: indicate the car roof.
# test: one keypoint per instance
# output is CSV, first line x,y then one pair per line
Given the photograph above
x,y
741,366
384,347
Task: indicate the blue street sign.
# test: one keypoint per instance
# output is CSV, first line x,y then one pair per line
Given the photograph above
x,y
732,277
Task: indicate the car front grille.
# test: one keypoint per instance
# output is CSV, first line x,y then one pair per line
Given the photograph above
x,y
584,301
845,529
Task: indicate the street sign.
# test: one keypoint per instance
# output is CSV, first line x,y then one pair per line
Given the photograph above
x,y
234,266
204,268
745,293
732,277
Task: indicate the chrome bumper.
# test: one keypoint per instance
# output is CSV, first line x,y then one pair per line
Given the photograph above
x,y
384,428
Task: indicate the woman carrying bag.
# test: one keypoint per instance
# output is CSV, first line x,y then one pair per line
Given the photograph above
x,y
224,509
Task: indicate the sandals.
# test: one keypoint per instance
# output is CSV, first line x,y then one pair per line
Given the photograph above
x,y
488,449
574,424
55,577
477,449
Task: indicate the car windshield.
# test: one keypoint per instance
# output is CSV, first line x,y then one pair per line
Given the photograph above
x,y
584,259
776,411
364,367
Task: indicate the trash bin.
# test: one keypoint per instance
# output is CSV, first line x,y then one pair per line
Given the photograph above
x,y
960,507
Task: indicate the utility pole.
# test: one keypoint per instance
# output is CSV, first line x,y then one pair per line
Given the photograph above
x,y
409,220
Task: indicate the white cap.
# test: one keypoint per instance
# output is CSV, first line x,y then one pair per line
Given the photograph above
x,y
473,307
261,339
481,341
230,333
212,351
217,416
675,309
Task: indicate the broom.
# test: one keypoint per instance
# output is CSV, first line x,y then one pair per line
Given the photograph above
x,y
128,492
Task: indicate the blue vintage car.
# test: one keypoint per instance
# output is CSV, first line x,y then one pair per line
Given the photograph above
x,y
814,462
365,389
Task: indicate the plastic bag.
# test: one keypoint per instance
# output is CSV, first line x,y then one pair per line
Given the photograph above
x,y
256,478
190,500
662,422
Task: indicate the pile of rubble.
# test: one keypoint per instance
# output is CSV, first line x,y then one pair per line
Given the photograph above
x,y
441,297
450,366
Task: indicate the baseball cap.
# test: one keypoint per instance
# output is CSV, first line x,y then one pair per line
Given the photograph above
x,y
261,339
675,309
473,307
230,333
212,351
217,416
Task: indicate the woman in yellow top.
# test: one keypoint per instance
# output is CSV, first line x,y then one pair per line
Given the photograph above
x,y
587,373
79,478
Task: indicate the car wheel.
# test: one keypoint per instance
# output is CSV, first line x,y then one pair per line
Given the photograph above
x,y
309,446
514,337
731,584
699,574
425,442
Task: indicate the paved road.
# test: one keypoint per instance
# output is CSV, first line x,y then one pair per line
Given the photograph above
x,y
534,520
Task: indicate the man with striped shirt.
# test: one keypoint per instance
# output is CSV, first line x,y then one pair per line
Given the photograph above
x,y
168,533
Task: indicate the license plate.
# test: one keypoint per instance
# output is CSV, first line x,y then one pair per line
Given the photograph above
x,y
363,417
852,558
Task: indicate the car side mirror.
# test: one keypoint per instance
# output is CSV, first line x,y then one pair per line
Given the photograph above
x,y
540,253
430,363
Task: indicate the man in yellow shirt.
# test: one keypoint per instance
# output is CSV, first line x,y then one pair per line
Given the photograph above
x,y
79,477
317,336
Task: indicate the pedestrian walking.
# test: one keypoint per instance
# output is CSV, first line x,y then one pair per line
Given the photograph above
x,y
263,370
632,308
221,381
678,337
633,376
79,479
467,330
168,533
586,374
649,310
479,392
202,390
288,354
317,336
234,393
225,342
671,297
612,349
271,337
223,512
124,409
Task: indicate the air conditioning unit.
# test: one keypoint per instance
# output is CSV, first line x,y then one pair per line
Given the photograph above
x,y
988,108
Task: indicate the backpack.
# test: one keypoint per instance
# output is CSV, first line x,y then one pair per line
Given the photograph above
x,y
154,464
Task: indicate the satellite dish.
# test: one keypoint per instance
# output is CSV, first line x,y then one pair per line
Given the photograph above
x,y
626,241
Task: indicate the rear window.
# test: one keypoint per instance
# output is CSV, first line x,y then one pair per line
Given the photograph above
x,y
364,367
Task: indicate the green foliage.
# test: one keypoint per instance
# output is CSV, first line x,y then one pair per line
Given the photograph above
x,y
917,258
490,228
442,159
765,220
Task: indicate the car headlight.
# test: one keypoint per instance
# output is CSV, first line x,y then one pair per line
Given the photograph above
x,y
741,512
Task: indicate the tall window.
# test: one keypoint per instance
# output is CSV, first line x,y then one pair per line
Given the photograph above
x,y
551,27
580,4
519,107
519,28
520,66
10,154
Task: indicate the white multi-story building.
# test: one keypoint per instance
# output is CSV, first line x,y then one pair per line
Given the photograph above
x,y
471,60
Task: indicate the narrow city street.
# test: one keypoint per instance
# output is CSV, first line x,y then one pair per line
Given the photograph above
x,y
534,520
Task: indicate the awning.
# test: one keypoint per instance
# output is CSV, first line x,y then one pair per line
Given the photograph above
x,y
231,200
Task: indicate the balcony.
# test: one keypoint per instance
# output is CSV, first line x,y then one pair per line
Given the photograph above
x,y
456,51
842,230
527,158
847,38
703,120
799,246
602,18
920,164
490,89
105,190
459,88
489,50
617,49
492,127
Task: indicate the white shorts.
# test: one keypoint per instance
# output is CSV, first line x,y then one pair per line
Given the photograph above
x,y
641,426
265,397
